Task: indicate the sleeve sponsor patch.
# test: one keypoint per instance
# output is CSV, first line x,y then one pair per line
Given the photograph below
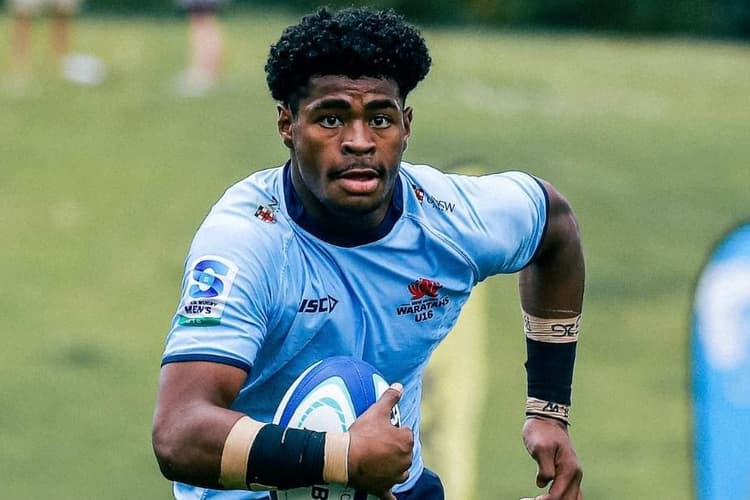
x,y
210,279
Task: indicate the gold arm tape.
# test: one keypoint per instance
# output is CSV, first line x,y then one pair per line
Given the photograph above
x,y
550,409
236,452
551,330
336,461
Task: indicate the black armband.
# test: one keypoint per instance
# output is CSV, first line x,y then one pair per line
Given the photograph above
x,y
549,371
285,458
551,352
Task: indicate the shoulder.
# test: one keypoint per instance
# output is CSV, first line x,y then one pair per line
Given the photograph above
x,y
511,180
463,195
247,220
562,224
496,220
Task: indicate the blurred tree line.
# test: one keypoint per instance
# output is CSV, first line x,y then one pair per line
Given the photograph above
x,y
719,18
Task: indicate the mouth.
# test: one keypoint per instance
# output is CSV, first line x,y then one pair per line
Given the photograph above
x,y
358,179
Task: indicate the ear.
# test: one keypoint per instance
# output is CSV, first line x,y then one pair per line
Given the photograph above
x,y
408,115
284,123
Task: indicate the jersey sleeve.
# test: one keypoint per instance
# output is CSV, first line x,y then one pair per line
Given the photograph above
x,y
504,222
226,296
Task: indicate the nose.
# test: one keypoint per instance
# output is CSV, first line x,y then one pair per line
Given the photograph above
x,y
358,139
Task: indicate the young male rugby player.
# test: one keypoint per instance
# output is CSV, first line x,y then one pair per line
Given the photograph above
x,y
346,249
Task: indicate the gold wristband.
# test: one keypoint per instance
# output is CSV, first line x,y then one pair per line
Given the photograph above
x,y
549,409
551,330
336,461
236,452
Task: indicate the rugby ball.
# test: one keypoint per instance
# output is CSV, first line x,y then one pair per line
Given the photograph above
x,y
328,397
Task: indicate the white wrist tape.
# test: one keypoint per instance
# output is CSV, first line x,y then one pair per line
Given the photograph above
x,y
336,463
551,330
236,452
548,409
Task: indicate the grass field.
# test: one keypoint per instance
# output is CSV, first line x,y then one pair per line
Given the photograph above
x,y
102,188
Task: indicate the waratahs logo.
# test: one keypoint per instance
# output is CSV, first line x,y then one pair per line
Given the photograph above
x,y
209,281
422,287
425,297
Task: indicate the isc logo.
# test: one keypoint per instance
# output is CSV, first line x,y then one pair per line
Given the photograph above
x,y
325,304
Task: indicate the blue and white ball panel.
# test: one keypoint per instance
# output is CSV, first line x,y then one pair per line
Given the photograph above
x,y
328,407
325,491
328,397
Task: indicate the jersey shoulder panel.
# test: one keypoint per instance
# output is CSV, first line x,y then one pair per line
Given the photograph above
x,y
233,273
248,227
248,213
497,219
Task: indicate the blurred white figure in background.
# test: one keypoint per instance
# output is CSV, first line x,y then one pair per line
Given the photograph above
x,y
83,69
205,48
22,14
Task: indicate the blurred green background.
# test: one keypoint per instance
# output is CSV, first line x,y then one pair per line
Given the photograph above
x,y
101,190
725,18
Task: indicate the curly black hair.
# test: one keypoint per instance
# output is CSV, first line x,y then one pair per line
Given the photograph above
x,y
352,42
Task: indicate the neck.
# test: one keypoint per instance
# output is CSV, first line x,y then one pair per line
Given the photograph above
x,y
345,230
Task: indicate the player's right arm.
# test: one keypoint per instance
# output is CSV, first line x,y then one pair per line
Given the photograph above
x,y
193,428
192,419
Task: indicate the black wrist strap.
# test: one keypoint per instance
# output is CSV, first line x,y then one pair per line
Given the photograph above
x,y
549,370
285,458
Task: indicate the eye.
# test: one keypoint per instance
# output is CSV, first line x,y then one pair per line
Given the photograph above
x,y
330,121
381,121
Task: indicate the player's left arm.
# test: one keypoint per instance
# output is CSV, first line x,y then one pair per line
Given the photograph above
x,y
551,289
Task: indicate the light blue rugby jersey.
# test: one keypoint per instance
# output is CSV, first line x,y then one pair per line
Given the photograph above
x,y
263,294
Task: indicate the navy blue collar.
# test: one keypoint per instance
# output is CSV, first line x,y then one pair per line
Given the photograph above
x,y
299,215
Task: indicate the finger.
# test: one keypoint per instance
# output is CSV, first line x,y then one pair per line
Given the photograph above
x,y
391,396
545,459
387,496
566,486
545,472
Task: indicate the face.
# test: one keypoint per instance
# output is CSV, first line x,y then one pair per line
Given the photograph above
x,y
346,143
